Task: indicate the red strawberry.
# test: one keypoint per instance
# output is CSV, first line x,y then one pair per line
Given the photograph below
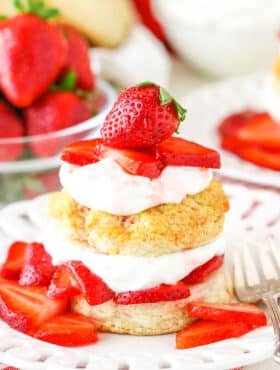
x,y
37,267
176,151
261,130
161,293
235,121
25,308
205,332
256,155
234,313
83,152
54,111
32,54
202,272
78,57
142,116
133,162
80,279
68,330
12,267
63,284
144,8
11,127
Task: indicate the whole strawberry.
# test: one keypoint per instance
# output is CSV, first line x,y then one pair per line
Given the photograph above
x,y
53,112
32,54
78,59
142,116
11,127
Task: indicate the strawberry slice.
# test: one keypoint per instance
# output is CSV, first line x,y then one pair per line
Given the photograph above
x,y
258,156
161,293
68,330
63,284
205,332
12,267
233,313
261,130
176,151
134,162
234,122
80,280
202,272
37,267
25,308
83,152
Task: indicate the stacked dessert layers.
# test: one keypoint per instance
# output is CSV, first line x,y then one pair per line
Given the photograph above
x,y
141,211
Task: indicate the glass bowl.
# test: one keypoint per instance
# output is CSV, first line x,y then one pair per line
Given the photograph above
x,y
36,171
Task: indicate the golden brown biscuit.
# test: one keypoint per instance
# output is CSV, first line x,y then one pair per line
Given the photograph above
x,y
164,229
104,22
156,318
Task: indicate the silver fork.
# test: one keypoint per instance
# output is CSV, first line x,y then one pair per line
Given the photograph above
x,y
256,272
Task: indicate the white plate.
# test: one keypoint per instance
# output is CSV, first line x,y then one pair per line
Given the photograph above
x,y
23,220
208,105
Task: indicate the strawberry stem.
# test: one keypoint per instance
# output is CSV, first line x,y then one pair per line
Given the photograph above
x,y
68,82
37,7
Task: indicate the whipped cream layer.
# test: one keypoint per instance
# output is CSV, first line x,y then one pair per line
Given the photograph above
x,y
105,186
124,273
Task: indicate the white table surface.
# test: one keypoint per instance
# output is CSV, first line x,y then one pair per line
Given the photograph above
x,y
182,81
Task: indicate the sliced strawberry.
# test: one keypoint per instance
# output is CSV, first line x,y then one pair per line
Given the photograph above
x,y
180,152
83,152
233,313
235,121
205,332
258,156
12,267
25,308
68,330
134,162
261,130
202,272
161,293
82,279
37,267
63,284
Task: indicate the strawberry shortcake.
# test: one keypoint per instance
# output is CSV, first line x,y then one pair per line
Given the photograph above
x,y
139,221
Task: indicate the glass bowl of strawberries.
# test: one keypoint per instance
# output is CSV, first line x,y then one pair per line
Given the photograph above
x,y
49,97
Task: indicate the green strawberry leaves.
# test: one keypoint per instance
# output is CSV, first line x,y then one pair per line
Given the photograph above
x,y
37,7
67,83
166,98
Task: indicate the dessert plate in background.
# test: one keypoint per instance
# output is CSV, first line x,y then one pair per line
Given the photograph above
x,y
245,222
206,108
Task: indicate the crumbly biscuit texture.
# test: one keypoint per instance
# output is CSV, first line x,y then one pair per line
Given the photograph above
x,y
168,228
155,318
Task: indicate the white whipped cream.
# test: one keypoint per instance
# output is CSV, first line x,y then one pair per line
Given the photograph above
x,y
124,273
105,186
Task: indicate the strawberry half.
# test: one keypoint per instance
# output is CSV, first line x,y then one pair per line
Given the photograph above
x,y
234,122
205,332
202,272
68,330
176,151
161,293
141,117
13,265
83,152
77,59
37,267
25,308
80,280
232,313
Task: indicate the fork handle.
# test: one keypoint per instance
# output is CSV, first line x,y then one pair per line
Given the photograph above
x,y
271,301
